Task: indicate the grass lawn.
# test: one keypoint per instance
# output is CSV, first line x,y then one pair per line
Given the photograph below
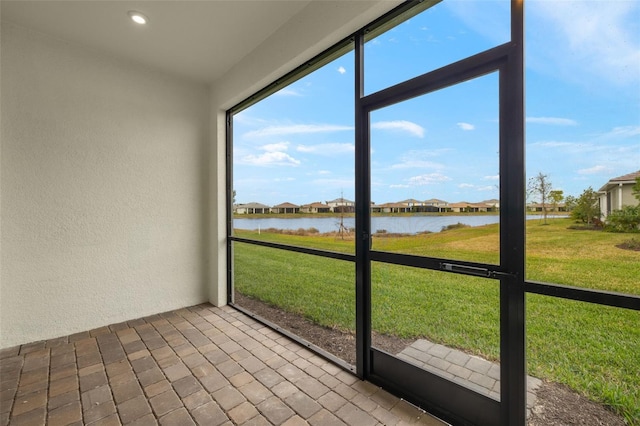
x,y
593,349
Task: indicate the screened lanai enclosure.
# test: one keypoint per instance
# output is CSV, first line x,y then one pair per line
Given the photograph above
x,y
420,193
417,121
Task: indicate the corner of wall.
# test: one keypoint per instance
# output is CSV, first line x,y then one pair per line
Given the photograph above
x,y
217,208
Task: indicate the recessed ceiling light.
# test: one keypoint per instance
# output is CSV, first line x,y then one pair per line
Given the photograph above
x,y
138,17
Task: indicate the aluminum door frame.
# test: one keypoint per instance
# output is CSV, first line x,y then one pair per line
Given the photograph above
x,y
441,396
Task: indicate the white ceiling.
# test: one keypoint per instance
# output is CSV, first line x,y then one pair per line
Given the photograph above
x,y
198,40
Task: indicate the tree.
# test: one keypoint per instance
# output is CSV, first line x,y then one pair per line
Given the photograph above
x,y
587,207
570,202
540,186
556,196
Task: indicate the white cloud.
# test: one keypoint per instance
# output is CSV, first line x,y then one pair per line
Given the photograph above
x,y
478,188
587,41
417,164
399,186
466,126
593,170
403,125
623,132
271,158
288,91
428,179
324,172
342,70
327,149
245,118
273,147
494,177
296,129
610,156
553,144
555,121
423,154
487,188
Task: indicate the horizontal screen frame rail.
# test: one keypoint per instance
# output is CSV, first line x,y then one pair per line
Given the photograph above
x,y
475,269
580,294
305,250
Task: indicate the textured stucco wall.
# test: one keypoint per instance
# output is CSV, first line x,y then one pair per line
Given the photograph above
x,y
103,187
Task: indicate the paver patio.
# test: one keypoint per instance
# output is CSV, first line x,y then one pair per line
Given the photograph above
x,y
199,365
473,372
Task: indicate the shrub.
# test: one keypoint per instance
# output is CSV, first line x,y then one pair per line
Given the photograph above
x,y
625,220
455,226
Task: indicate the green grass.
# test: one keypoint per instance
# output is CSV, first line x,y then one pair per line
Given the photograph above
x,y
593,349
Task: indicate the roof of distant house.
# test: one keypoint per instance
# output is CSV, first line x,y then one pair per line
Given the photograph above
x,y
340,200
317,205
628,178
491,201
400,205
252,205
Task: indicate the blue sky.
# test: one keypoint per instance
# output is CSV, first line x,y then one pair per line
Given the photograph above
x,y
583,110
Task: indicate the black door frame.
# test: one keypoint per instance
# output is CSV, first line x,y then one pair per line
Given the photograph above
x,y
441,396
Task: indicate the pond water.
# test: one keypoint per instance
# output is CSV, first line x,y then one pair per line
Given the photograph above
x,y
395,224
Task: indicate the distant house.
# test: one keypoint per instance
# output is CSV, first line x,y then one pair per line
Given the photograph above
x,y
480,207
412,205
461,207
617,193
436,206
493,205
251,208
394,208
466,207
342,205
316,207
285,208
538,207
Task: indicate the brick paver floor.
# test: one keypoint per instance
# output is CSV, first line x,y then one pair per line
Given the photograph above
x,y
200,365
473,372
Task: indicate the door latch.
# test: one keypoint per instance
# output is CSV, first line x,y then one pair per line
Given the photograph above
x,y
474,270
